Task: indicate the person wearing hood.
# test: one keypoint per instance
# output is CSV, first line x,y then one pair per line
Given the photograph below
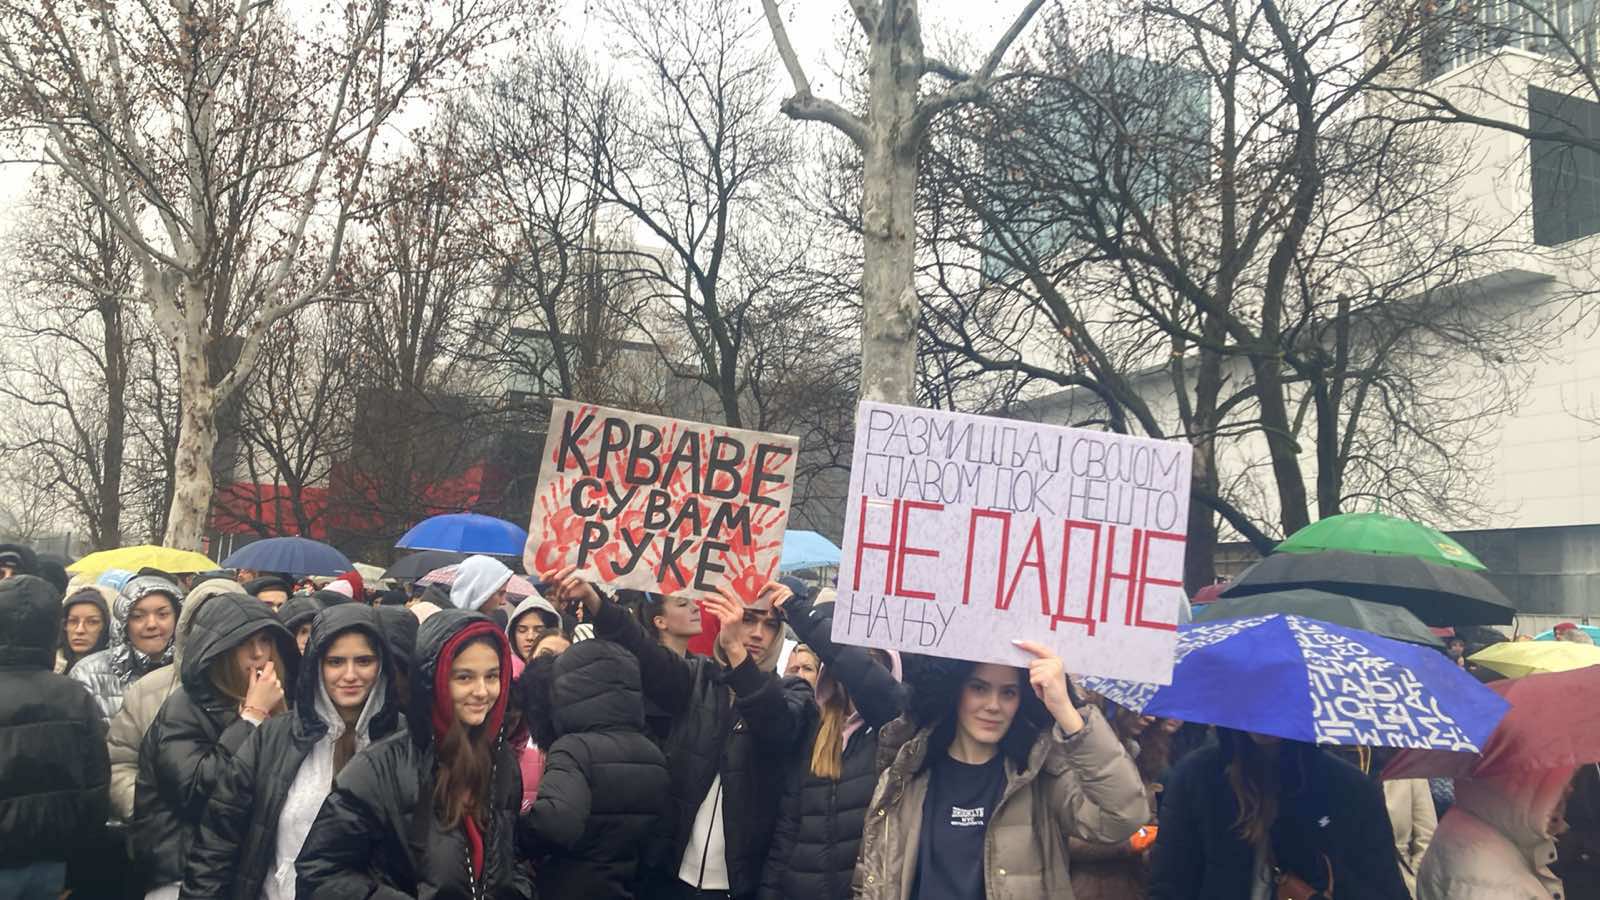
x,y
734,724
52,748
85,625
828,787
533,616
1497,842
143,620
603,789
230,683
269,589
15,559
296,615
258,818
400,630
431,810
144,698
480,584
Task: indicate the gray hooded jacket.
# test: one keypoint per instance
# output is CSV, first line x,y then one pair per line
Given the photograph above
x,y
108,673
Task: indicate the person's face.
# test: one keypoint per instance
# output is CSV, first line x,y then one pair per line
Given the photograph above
x,y
7,570
760,631
523,634
495,601
1131,723
474,683
554,645
680,617
255,652
247,575
83,625
1455,649
273,598
989,701
803,664
150,623
301,636
349,669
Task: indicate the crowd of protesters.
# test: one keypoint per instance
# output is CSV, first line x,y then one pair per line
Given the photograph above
x,y
243,736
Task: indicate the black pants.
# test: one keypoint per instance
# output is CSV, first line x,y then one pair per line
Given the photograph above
x,y
657,885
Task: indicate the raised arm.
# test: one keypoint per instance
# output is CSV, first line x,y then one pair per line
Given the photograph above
x,y
667,678
877,695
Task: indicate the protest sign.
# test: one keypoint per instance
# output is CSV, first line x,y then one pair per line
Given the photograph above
x,y
963,533
656,504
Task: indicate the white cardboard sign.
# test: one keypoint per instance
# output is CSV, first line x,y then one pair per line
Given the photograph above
x,y
963,533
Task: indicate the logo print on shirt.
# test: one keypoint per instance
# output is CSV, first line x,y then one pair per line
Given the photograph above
x,y
966,818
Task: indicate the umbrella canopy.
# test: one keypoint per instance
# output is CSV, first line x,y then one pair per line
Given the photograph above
x,y
178,562
518,586
291,556
1547,728
1379,618
466,533
1209,594
1311,681
1382,535
807,550
1519,658
416,565
1439,595
1549,634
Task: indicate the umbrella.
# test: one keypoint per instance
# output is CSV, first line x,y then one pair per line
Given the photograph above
x,y
1310,681
1379,618
518,586
144,556
1439,595
1552,725
466,533
416,565
1549,634
1209,593
1383,535
289,555
1519,658
807,550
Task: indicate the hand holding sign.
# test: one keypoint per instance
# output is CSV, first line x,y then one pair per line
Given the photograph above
x,y
1049,680
571,588
730,613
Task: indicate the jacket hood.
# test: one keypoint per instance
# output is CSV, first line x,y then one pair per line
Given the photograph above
x,y
1516,804
400,629
223,624
30,622
768,661
27,561
298,610
477,578
313,706
102,598
444,633
199,595
138,588
538,604
596,687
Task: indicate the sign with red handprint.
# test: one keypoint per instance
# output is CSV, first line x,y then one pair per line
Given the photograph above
x,y
656,504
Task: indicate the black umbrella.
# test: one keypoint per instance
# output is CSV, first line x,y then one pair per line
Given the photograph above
x,y
1379,618
410,568
1439,595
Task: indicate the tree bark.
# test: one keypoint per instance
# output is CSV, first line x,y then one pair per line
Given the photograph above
x,y
108,527
197,440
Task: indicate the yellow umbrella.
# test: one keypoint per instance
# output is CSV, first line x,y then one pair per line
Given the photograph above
x,y
1515,660
146,555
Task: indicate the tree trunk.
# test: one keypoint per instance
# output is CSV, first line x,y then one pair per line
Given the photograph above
x,y
108,530
1282,447
197,440
888,213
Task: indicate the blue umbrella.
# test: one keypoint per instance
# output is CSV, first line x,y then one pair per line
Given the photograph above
x,y
1307,680
807,550
290,556
466,533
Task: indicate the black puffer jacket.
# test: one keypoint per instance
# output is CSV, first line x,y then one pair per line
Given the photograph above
x,y
54,771
190,747
377,836
604,787
818,836
745,723
236,848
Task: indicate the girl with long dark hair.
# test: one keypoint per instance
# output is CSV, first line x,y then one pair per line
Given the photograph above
x,y
430,811
994,767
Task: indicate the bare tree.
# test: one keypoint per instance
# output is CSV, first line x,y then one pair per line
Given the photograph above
x,y
227,144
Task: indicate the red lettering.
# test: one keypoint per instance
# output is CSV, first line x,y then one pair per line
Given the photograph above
x,y
905,549
1145,580
862,546
1131,576
1035,546
1087,619
1000,565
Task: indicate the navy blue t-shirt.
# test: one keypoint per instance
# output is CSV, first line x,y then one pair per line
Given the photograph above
x,y
955,816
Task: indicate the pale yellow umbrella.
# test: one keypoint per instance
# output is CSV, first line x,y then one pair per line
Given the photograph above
x,y
132,559
1515,660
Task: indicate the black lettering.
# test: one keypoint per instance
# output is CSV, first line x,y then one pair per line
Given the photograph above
x,y
672,550
613,439
579,504
689,512
568,447
635,553
729,516
762,476
686,453
657,514
619,502
705,566
717,464
595,535
643,452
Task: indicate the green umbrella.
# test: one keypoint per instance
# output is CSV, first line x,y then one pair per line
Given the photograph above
x,y
1380,534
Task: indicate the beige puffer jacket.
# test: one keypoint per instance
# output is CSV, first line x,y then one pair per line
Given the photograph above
x,y
143,699
1495,842
1082,786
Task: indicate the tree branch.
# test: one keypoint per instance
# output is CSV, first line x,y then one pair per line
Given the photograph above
x,y
804,104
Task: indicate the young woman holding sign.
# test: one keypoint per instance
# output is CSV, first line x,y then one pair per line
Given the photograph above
x,y
994,763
